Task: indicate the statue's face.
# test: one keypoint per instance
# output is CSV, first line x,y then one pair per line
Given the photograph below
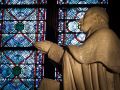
x,y
87,22
92,18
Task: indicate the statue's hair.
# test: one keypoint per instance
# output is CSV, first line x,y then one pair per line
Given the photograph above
x,y
99,12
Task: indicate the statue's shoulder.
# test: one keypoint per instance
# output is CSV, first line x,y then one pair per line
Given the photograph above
x,y
105,32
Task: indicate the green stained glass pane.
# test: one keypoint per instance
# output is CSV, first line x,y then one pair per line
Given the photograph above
x,y
19,26
16,70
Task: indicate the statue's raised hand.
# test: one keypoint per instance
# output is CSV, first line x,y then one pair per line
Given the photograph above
x,y
44,46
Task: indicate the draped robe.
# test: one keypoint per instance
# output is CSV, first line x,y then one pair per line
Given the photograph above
x,y
95,65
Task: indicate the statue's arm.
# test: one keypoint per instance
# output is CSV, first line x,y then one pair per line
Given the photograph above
x,y
56,53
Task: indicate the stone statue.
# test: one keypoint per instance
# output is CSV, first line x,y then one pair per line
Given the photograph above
x,y
95,65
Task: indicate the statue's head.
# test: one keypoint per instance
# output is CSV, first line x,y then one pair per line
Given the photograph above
x,y
93,17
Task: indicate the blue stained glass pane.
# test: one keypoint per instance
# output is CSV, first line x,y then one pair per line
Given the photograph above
x,y
40,58
24,14
69,26
17,57
0,39
82,1
72,13
39,71
6,72
27,71
58,75
75,13
19,2
29,84
0,1
61,26
0,28
71,39
73,26
19,84
20,40
37,83
0,14
30,27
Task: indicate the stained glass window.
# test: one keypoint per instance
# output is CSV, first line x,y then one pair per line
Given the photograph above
x,y
20,28
23,22
82,1
21,2
69,14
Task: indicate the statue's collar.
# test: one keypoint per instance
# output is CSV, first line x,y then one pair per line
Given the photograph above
x,y
96,28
